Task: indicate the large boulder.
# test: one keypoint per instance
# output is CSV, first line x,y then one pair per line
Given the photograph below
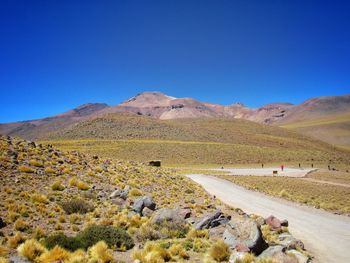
x,y
143,202
215,219
168,215
244,232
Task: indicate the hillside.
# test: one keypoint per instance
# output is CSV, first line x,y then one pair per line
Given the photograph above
x,y
192,141
159,106
67,207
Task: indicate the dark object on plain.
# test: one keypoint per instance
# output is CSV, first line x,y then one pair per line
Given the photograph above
x,y
154,163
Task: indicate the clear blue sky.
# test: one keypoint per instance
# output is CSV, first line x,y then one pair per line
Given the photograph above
x,y
56,54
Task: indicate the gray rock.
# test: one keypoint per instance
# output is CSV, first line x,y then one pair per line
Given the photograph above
x,y
147,212
287,240
245,231
123,194
209,221
168,215
237,256
300,256
18,259
143,202
272,251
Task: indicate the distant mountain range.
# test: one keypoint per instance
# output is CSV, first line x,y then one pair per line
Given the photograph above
x,y
160,106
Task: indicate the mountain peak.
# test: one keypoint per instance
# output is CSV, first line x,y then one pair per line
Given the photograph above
x,y
148,99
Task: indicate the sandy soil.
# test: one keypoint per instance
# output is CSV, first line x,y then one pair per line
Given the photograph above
x,y
325,235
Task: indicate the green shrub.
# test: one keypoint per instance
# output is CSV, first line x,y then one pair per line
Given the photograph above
x,y
114,237
78,206
60,239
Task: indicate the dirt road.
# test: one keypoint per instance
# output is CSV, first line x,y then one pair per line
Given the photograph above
x,y
325,235
290,172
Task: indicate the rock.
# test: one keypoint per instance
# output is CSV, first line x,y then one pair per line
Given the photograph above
x,y
168,215
242,247
185,213
277,254
123,194
2,223
237,257
273,222
284,223
300,256
18,259
143,202
260,220
147,212
287,240
245,231
209,221
271,251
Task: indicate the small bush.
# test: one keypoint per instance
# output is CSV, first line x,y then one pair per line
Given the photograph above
x,y
78,206
219,251
38,198
21,225
31,249
36,163
50,170
83,186
114,237
100,253
135,192
26,169
60,239
57,186
15,240
57,254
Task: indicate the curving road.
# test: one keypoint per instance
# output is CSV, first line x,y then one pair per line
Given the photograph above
x,y
325,235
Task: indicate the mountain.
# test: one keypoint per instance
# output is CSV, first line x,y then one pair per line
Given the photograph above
x,y
36,128
160,106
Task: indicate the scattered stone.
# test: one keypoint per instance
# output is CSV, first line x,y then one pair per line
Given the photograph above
x,y
215,219
284,223
2,223
147,212
18,259
273,222
287,240
143,202
242,247
277,254
271,251
300,256
237,257
245,231
123,194
168,215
